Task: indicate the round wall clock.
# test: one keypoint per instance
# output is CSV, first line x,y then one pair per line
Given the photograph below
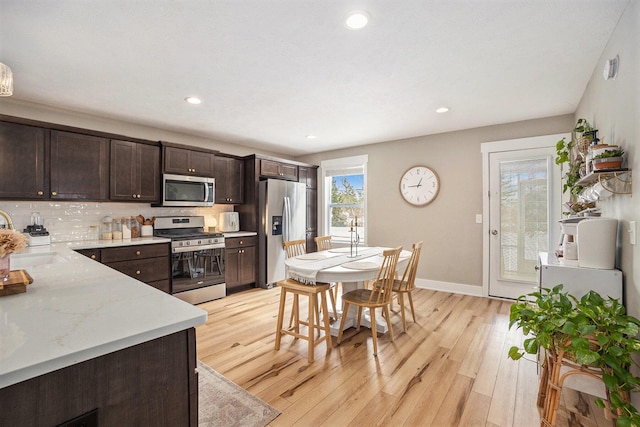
x,y
419,185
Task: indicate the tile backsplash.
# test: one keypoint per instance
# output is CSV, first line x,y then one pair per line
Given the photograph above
x,y
70,221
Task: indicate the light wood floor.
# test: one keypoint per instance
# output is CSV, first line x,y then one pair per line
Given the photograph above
x,y
449,369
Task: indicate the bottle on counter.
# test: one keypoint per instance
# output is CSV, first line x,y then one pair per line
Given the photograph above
x,y
94,232
106,230
117,229
126,227
135,227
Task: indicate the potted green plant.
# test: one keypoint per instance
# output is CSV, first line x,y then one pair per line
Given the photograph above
x,y
611,159
595,332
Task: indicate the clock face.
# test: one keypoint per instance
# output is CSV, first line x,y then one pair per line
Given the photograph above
x,y
419,185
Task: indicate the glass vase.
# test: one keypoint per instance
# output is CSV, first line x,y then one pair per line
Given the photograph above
x,y
5,267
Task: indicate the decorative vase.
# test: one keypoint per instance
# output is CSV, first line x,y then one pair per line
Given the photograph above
x,y
5,267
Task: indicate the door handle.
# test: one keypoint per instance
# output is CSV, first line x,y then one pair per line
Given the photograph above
x,y
494,232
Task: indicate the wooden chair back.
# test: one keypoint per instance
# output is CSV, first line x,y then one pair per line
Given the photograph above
x,y
408,281
382,290
294,248
323,242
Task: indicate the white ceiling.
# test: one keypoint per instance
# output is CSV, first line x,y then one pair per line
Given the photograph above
x,y
271,72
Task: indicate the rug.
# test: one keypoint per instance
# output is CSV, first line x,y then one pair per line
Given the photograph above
x,y
222,403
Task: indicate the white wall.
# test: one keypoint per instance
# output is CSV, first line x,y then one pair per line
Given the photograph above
x,y
613,107
452,255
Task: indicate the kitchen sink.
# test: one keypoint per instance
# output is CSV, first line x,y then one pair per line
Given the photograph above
x,y
21,261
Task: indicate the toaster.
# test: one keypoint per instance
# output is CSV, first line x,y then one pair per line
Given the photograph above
x,y
228,221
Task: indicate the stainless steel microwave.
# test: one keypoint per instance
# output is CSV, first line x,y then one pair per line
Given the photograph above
x,y
183,190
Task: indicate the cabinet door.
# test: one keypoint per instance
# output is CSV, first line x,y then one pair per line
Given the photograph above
x,y
123,172
176,160
308,175
247,265
229,180
288,171
188,162
79,166
148,165
231,267
269,168
22,161
202,164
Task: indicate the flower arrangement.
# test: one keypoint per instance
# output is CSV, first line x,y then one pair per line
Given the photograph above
x,y
11,241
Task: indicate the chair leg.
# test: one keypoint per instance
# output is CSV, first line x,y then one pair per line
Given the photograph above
x,y
385,310
283,300
345,308
413,312
374,333
313,314
404,319
359,318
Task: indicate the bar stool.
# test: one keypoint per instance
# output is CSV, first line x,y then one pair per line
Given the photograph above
x,y
313,292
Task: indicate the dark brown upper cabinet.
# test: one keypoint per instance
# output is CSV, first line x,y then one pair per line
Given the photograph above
x,y
23,166
135,172
229,180
182,161
279,170
79,167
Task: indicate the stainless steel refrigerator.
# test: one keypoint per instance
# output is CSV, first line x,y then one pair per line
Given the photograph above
x,y
283,207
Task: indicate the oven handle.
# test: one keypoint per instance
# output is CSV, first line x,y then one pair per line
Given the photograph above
x,y
196,248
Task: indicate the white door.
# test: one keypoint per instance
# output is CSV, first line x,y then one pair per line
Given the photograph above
x,y
524,201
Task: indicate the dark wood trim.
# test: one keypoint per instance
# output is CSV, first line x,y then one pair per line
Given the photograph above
x,y
191,148
55,126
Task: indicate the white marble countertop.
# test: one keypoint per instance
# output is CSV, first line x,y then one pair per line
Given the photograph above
x,y
77,309
94,244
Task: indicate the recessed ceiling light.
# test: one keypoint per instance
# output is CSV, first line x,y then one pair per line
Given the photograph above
x,y
193,100
311,137
357,19
442,110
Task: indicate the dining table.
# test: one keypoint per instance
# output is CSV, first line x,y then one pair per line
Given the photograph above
x,y
352,268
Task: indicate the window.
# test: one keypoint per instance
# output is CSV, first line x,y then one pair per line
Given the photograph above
x,y
344,198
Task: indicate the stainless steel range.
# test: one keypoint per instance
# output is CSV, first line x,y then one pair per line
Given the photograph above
x,y
197,258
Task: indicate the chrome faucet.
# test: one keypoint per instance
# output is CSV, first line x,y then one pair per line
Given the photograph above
x,y
7,220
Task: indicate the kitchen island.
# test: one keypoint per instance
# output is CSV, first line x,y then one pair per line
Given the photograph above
x,y
86,337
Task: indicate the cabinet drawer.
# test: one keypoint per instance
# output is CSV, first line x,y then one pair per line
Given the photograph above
x,y
126,253
146,270
94,254
240,242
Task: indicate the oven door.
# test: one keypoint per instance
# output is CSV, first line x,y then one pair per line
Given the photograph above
x,y
197,275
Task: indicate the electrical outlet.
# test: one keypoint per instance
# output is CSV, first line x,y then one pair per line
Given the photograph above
x,y
478,218
632,232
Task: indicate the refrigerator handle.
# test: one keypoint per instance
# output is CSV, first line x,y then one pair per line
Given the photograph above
x,y
286,219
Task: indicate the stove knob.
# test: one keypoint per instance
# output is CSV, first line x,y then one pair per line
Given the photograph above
x,y
188,243
199,242
179,243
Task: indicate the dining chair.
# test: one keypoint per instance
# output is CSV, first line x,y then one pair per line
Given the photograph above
x,y
295,248
324,243
316,293
379,296
407,284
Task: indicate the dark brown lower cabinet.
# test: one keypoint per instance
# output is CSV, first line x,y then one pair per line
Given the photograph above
x,y
148,263
240,262
149,384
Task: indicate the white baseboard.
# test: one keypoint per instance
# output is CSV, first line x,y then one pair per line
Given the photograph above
x,y
456,288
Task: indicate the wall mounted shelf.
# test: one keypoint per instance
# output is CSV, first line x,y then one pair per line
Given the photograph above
x,y
616,182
